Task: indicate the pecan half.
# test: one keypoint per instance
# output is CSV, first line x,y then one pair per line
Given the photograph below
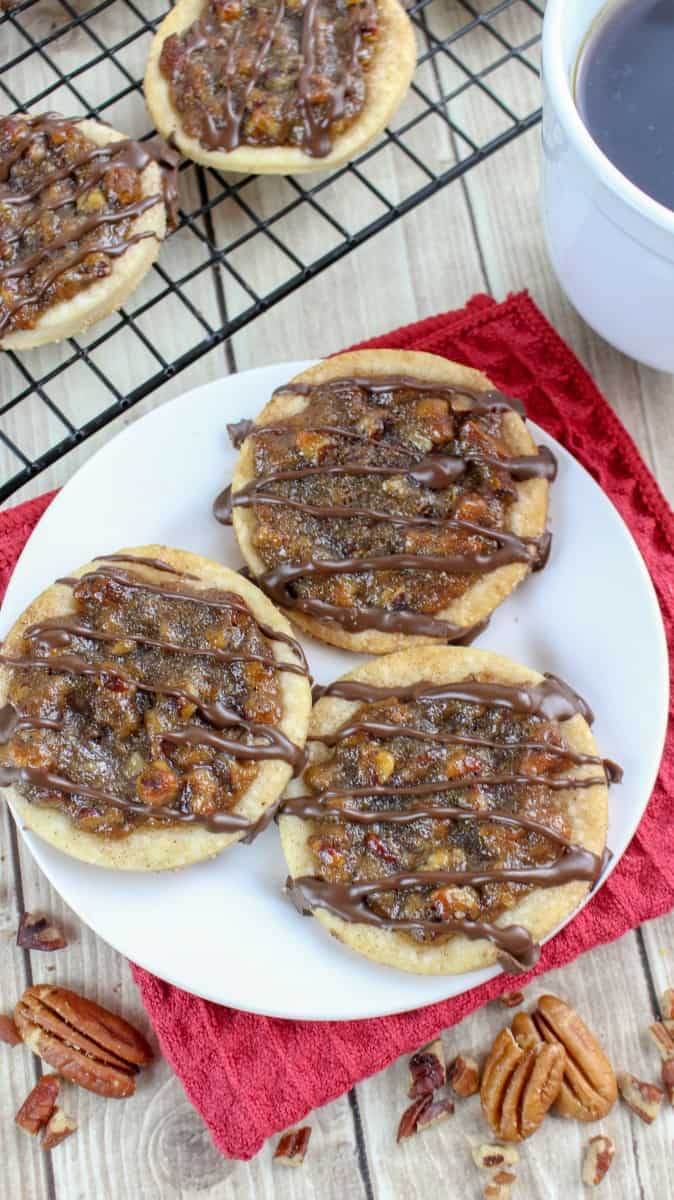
x,y
8,1031
83,1041
589,1088
427,1070
463,1076
486,1157
39,1104
58,1128
519,1086
292,1147
36,932
643,1098
598,1158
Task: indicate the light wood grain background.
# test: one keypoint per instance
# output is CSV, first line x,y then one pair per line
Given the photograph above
x,y
481,234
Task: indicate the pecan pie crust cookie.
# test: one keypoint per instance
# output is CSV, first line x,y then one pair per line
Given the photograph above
x,y
513,850
495,543
172,715
386,79
79,236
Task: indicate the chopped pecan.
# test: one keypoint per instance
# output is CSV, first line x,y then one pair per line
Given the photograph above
x,y
643,1098
511,999
499,1187
292,1147
8,1031
518,1086
83,1041
37,932
486,1157
407,1124
667,1005
463,1076
39,1104
598,1158
58,1128
589,1089
663,1039
436,1112
668,1079
427,1070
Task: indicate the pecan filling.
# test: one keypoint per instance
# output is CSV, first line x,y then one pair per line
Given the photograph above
x,y
271,72
435,810
412,480
150,705
67,210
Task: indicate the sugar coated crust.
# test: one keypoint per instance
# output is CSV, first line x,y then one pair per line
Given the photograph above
x,y
542,909
526,516
152,849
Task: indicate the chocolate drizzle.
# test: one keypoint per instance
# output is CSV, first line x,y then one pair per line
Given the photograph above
x,y
219,46
42,200
435,471
478,402
57,633
551,699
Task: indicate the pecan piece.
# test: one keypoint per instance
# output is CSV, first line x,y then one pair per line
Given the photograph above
x,y
8,1031
511,999
293,1146
660,1034
598,1158
668,1079
518,1086
37,932
486,1157
427,1070
499,1187
39,1104
58,1128
589,1088
407,1124
643,1098
667,1004
463,1076
437,1111
83,1041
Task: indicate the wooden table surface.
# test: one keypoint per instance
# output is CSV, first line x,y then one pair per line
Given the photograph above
x,y
482,234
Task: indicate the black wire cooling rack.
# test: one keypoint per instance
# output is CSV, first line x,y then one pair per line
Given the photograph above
x,y
244,242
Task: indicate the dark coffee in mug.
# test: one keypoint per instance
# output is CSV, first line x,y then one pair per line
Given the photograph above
x,y
625,92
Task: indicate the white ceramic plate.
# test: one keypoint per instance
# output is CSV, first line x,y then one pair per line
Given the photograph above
x,y
224,929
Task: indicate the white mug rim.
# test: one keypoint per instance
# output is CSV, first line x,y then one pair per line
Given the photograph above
x,y
558,85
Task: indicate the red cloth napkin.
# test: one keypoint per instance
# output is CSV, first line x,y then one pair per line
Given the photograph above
x,y
250,1076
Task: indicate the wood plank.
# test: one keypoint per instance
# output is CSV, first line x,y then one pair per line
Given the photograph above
x,y
21,1158
551,1160
157,1127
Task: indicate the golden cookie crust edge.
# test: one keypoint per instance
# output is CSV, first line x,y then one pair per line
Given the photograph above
x,y
162,849
542,909
389,77
527,516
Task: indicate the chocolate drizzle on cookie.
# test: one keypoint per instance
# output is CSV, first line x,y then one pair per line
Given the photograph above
x,y
300,488
66,647
392,805
272,73
60,226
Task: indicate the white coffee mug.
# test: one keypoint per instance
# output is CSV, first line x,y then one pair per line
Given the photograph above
x,y
611,245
